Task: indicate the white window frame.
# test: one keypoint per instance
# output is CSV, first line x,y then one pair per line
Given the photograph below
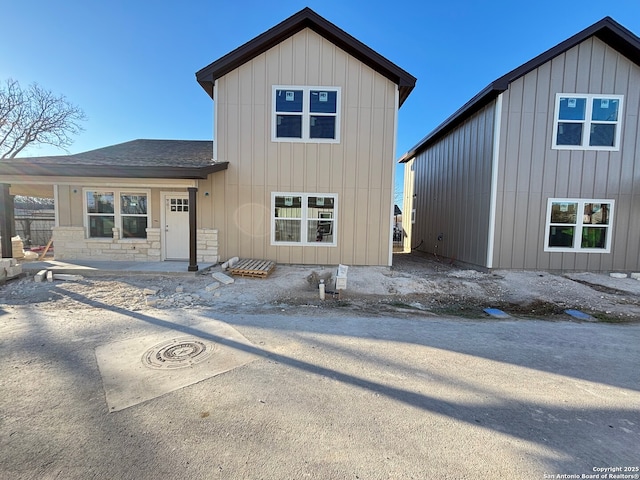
x,y
306,114
588,121
304,220
117,222
577,238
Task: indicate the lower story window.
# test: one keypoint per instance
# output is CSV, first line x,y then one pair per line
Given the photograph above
x,y
112,208
303,219
579,225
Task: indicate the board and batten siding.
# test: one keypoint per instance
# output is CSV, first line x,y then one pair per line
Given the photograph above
x,y
359,169
452,190
531,171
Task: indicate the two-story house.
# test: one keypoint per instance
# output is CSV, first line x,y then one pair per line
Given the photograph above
x,y
540,170
301,169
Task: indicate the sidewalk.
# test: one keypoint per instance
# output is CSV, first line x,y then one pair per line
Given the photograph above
x,y
105,267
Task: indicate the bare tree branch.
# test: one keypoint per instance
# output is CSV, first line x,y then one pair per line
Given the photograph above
x,y
35,116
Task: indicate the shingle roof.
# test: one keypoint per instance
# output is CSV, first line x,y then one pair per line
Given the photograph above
x,y
305,18
136,159
607,30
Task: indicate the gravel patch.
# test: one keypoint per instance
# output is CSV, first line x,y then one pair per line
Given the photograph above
x,y
416,283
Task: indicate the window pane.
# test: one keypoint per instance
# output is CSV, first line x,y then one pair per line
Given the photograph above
x,y
289,126
596,213
569,134
323,101
561,236
605,109
563,212
319,204
602,135
100,202
320,231
572,108
320,219
322,127
288,207
288,230
133,204
288,100
134,227
594,237
101,226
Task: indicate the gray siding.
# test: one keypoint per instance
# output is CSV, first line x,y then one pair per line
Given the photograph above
x,y
452,192
531,172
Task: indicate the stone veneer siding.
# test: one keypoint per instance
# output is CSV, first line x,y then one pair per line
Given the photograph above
x,y
70,243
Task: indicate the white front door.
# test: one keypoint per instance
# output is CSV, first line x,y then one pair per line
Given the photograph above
x,y
176,226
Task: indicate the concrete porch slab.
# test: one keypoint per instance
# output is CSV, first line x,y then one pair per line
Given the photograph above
x,y
105,267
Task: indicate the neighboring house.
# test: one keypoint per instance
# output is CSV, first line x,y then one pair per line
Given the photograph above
x,y
540,170
300,171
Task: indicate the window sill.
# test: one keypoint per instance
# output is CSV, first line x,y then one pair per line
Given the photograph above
x,y
575,250
585,149
299,244
123,240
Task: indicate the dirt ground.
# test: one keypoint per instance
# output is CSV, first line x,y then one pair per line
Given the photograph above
x,y
416,284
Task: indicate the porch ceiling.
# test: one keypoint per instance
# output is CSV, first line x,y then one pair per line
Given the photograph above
x,y
40,191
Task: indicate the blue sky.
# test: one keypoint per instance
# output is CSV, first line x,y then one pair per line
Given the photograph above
x,y
130,64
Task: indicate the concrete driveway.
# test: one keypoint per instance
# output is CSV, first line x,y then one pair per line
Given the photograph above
x,y
330,398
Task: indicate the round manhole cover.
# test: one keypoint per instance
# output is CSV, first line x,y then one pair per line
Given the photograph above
x,y
177,353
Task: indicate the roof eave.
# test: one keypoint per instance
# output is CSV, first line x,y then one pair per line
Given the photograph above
x,y
182,173
607,30
472,106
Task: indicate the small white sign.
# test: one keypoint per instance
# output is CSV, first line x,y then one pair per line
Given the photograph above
x,y
288,201
571,102
324,96
290,96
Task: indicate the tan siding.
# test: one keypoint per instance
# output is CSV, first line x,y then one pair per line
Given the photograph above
x,y
531,172
359,169
64,207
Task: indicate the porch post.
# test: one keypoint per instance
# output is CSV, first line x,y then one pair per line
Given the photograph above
x,y
193,264
6,221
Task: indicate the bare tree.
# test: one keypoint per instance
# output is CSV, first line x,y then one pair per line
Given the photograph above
x,y
35,116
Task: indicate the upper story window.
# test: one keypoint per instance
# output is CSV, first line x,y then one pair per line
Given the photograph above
x,y
579,225
587,122
111,208
306,114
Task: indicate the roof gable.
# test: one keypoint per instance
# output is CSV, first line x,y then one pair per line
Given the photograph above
x,y
305,18
607,30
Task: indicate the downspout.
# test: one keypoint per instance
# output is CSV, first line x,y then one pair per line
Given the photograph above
x,y
497,121
193,263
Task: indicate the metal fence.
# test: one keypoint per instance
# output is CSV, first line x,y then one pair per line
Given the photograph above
x,y
34,231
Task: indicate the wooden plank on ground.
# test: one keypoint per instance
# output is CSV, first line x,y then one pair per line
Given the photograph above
x,y
46,249
250,267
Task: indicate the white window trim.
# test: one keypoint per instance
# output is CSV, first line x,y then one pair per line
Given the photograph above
x,y
117,215
306,114
579,225
304,220
587,121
